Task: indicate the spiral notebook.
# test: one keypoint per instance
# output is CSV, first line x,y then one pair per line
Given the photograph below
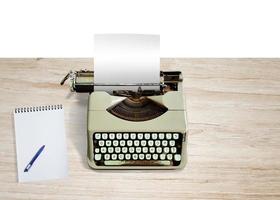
x,y
40,143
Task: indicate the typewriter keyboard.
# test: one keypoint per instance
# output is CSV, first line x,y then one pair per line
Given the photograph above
x,y
137,149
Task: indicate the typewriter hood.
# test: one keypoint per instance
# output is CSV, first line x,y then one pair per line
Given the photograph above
x,y
99,118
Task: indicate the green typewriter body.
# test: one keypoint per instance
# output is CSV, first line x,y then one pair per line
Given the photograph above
x,y
135,130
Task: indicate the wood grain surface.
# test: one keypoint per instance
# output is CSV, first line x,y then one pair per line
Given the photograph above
x,y
233,108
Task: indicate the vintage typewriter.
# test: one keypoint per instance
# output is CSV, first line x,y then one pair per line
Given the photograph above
x,y
145,129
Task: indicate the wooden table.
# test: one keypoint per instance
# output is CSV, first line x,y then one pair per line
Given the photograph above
x,y
234,142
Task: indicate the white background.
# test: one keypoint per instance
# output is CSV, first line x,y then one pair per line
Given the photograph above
x,y
196,28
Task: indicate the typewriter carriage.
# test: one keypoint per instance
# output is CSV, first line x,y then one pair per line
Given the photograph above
x,y
83,82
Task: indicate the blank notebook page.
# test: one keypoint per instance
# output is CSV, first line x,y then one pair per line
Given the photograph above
x,y
35,127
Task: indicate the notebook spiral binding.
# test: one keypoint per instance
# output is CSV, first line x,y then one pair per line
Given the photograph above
x,y
38,108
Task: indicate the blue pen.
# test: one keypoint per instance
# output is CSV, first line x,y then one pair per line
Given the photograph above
x,y
34,158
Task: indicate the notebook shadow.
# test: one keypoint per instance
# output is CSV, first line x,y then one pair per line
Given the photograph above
x,y
77,115
15,149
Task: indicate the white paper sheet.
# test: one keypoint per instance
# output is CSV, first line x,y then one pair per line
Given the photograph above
x,y
126,59
33,130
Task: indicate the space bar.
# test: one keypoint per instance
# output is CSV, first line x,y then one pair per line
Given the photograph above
x,y
137,163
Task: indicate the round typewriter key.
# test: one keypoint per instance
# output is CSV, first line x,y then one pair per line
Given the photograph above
x,y
110,149
129,143
122,143
136,143
131,149
104,136
152,149
107,156
168,136
124,149
138,149
135,156
161,136
172,143
97,157
154,136
173,149
157,143
114,156
151,143
112,136
141,156
125,136
103,149
108,143
166,150
101,143
164,143
115,143
121,156
143,142
140,136
117,149
177,157
133,136
159,149
155,156
175,136
119,136
127,156
148,156
97,136
147,136
169,156
145,149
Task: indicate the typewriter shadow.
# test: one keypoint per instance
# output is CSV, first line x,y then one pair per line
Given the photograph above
x,y
78,125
